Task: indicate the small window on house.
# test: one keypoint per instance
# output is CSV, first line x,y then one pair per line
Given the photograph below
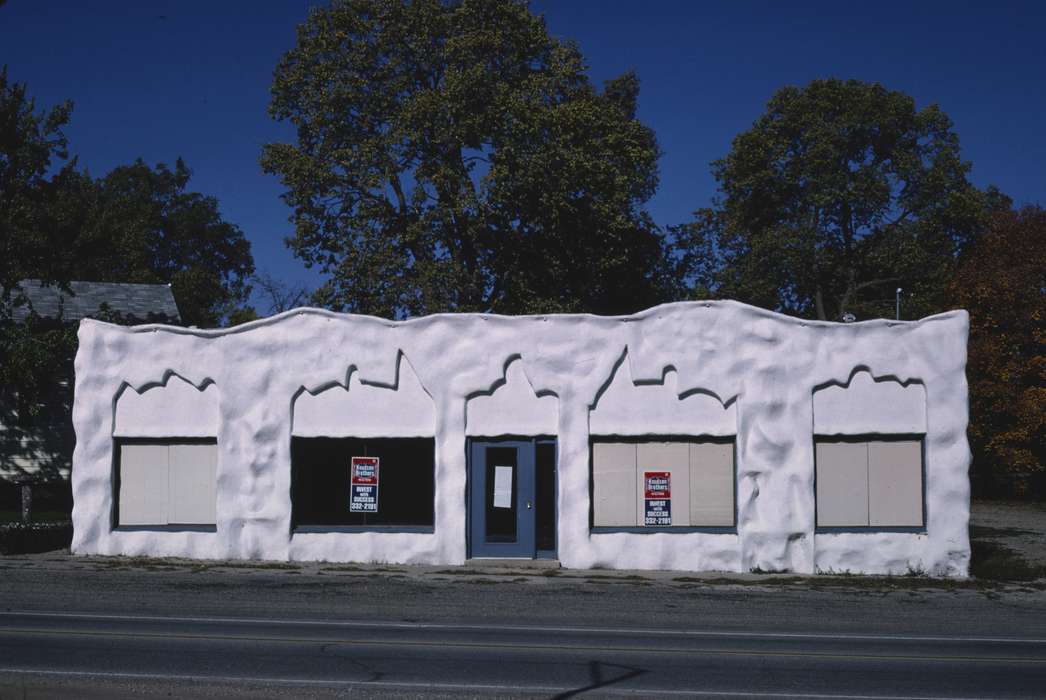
x,y
164,483
659,484
362,482
874,482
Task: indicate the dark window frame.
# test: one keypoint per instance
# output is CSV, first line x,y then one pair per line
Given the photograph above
x,y
114,516
819,438
302,522
650,529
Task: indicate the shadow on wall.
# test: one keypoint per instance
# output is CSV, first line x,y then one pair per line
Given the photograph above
x,y
36,449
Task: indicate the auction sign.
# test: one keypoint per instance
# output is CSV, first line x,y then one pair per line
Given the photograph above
x,y
363,497
657,496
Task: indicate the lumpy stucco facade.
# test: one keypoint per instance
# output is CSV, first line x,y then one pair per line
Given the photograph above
x,y
723,369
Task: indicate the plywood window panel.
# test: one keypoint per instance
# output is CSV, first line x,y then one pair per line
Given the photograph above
x,y
842,484
895,488
671,457
143,485
712,484
191,484
614,484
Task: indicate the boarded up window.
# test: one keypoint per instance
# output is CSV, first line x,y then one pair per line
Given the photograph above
x,y
699,477
869,483
165,483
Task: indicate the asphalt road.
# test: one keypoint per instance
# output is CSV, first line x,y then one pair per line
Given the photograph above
x,y
89,631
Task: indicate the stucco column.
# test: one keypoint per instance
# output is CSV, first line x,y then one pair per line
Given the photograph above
x,y
254,458
573,476
775,464
451,468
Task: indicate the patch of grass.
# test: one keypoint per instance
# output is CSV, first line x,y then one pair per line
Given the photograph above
x,y
614,581
279,565
38,516
983,531
993,561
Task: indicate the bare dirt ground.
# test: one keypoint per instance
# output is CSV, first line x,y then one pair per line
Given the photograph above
x,y
1008,539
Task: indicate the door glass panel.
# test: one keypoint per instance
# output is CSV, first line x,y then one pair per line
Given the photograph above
x,y
545,464
501,472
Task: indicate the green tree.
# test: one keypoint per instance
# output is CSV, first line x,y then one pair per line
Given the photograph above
x,y
839,193
58,224
36,237
452,156
1002,283
143,224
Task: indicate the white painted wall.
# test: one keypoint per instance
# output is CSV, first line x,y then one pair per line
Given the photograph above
x,y
868,405
173,409
627,408
765,366
367,410
511,408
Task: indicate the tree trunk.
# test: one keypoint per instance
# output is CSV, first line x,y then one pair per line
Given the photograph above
x,y
27,502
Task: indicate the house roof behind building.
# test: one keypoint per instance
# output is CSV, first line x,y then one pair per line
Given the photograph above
x,y
138,302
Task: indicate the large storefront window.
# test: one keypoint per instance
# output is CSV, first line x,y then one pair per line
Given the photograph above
x,y
663,484
393,484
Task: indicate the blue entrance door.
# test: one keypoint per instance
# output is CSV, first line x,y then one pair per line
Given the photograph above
x,y
512,498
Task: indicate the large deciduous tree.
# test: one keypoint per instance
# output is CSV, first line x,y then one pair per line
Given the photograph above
x,y
839,193
143,224
35,239
36,235
1002,283
58,224
452,156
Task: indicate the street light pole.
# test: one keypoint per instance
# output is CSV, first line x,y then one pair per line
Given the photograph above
x,y
899,303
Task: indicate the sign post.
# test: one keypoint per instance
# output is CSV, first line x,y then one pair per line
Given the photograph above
x,y
363,496
658,498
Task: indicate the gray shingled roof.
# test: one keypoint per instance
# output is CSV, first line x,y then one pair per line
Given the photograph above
x,y
141,302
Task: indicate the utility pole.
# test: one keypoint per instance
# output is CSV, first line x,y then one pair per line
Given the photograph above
x,y
899,290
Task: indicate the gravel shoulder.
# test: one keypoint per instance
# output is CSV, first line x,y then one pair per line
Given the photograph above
x,y
1008,541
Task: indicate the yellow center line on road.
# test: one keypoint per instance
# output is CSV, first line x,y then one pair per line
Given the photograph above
x,y
516,646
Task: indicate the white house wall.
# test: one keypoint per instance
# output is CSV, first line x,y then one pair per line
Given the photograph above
x,y
764,367
175,408
367,410
867,405
511,408
656,408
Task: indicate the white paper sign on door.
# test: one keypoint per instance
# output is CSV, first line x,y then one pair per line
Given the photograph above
x,y
502,487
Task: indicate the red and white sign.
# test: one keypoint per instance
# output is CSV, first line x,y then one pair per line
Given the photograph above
x,y
657,484
363,489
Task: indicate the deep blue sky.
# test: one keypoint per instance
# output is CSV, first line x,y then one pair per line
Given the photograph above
x,y
158,80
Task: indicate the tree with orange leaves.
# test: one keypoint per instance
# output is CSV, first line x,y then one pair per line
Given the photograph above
x,y
1002,283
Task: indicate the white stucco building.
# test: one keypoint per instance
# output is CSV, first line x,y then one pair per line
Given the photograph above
x,y
692,436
